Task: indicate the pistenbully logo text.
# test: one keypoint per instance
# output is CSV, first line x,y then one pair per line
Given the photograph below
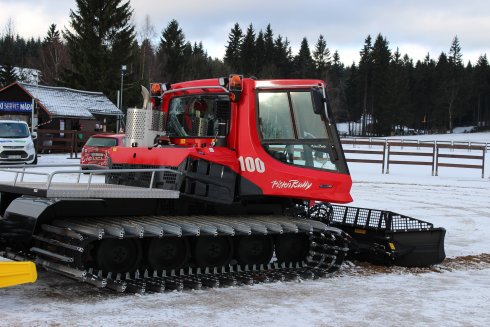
x,y
291,184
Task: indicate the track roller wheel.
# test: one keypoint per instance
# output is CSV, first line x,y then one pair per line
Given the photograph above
x,y
118,256
211,251
255,249
292,247
167,253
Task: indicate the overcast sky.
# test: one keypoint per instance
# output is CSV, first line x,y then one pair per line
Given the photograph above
x,y
416,27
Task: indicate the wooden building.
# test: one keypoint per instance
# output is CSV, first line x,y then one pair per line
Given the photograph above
x,y
58,108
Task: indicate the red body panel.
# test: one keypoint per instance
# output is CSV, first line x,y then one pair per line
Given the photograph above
x,y
173,156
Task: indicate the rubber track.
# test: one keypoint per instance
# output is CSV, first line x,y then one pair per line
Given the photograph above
x,y
328,248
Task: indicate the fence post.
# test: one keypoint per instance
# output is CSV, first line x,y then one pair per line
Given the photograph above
x,y
483,162
434,157
384,156
75,146
388,159
72,142
437,158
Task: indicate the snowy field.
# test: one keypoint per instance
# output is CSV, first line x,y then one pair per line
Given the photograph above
x,y
455,293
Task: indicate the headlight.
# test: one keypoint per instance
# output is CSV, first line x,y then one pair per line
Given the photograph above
x,y
30,146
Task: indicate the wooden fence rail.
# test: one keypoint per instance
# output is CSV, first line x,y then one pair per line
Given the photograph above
x,y
463,158
391,153
377,156
388,155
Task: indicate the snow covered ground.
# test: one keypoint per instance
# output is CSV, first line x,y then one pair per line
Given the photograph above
x,y
456,293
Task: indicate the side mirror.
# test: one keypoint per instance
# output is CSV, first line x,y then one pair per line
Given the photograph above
x,y
318,101
34,135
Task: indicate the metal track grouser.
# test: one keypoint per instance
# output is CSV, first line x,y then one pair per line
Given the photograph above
x,y
220,182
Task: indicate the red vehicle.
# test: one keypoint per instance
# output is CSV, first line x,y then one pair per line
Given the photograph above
x,y
95,150
219,181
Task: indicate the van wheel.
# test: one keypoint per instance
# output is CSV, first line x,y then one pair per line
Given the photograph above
x,y
35,160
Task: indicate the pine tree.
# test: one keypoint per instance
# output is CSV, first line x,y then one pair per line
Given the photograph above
x,y
382,102
321,55
269,44
336,86
232,54
260,52
455,85
398,91
186,68
337,67
53,35
247,52
101,39
283,58
481,80
198,63
441,78
450,81
455,56
354,95
7,75
303,63
423,93
269,68
365,74
171,52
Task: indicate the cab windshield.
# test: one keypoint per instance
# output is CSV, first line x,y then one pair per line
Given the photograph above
x,y
290,130
196,116
13,130
101,141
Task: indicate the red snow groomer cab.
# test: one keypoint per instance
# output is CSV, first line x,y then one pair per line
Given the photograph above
x,y
241,140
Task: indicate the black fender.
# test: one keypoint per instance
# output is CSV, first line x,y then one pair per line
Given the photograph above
x,y
24,215
20,219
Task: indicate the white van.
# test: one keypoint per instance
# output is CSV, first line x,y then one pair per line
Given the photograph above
x,y
16,145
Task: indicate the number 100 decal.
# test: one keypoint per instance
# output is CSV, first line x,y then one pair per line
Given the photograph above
x,y
251,164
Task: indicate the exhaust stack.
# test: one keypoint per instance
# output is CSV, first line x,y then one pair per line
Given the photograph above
x,y
144,126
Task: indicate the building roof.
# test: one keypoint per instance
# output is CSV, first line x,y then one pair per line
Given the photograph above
x,y
65,102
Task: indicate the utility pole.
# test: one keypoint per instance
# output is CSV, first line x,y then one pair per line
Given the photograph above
x,y
123,70
34,118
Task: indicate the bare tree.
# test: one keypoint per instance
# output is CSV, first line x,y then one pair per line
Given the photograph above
x,y
54,56
9,29
8,74
146,35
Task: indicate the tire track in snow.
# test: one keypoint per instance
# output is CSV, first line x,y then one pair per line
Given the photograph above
x,y
467,262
